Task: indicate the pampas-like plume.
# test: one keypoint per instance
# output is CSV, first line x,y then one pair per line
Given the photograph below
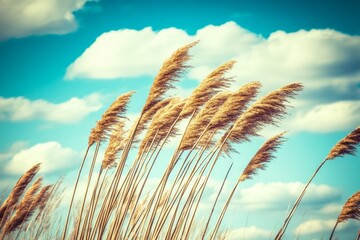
x,y
162,122
262,156
351,210
202,119
148,115
116,144
211,85
17,191
24,209
234,106
42,197
169,73
347,145
267,110
111,116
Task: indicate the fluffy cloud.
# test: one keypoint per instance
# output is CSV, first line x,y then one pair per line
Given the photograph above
x,y
73,110
251,232
321,226
37,17
327,117
52,155
279,194
127,53
315,226
14,148
324,55
325,61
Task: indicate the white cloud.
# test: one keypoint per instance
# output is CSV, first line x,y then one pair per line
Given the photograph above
x,y
127,53
323,55
251,232
328,117
320,228
315,226
14,148
325,61
331,208
73,110
280,194
37,17
52,155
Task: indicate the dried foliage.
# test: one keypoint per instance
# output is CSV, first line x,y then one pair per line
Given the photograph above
x,y
351,209
111,116
262,156
215,82
169,73
119,206
347,145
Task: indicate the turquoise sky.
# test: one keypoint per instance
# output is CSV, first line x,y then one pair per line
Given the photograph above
x,y
63,62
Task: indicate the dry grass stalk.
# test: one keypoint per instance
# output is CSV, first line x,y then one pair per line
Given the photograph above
x,y
267,110
162,122
263,156
169,73
345,146
234,106
351,210
16,193
148,115
111,116
200,122
215,82
116,144
25,208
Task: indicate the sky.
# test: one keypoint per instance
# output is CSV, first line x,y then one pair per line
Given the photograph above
x,y
62,63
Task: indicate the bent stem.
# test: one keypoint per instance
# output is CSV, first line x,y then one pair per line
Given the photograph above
x,y
87,189
73,195
293,209
332,232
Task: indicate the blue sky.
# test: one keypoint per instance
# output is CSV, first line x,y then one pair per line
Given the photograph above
x,y
63,62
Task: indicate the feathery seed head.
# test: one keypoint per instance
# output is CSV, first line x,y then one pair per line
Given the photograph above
x,y
262,156
202,119
111,116
169,73
267,110
351,209
215,82
347,145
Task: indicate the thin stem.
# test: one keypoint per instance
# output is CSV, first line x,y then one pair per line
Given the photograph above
x,y
293,209
332,232
73,195
217,197
87,189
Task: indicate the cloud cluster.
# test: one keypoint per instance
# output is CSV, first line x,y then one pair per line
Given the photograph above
x,y
280,194
37,17
52,156
327,62
250,232
73,110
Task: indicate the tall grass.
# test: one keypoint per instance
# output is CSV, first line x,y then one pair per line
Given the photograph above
x,y
118,205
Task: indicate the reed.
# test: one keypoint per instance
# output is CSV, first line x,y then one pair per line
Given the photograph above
x,y
350,210
120,206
